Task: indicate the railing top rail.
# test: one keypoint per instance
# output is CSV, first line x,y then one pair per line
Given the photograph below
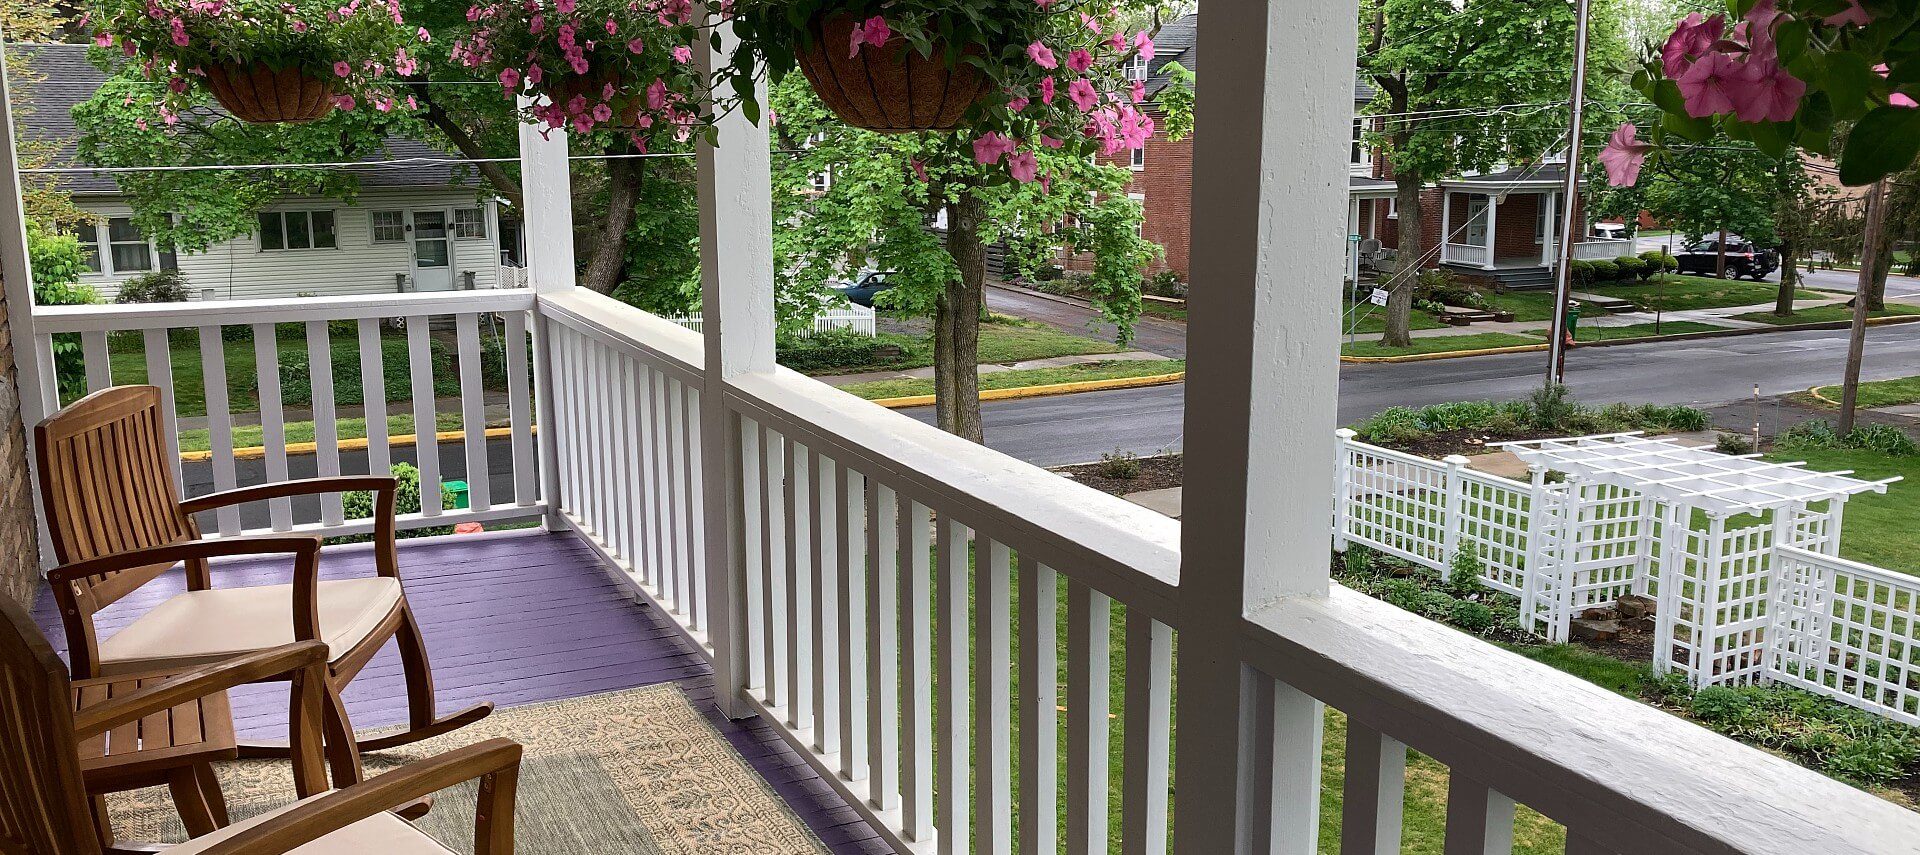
x,y
1628,776
650,337
1892,577
199,313
1122,549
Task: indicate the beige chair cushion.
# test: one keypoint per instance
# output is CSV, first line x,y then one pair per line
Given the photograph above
x,y
197,627
380,834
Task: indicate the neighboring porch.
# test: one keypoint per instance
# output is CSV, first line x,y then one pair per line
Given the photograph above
x,y
1508,224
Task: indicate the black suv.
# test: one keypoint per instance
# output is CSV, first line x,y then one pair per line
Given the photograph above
x,y
1744,258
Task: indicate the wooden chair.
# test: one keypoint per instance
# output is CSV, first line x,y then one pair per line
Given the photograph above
x,y
116,523
43,803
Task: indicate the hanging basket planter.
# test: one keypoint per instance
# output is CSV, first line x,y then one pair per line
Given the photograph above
x,y
262,95
892,88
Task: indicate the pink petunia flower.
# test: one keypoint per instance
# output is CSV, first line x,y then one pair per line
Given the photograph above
x,y
1046,90
991,146
1137,91
1042,55
103,39
1083,94
1079,61
636,46
874,31
345,102
1022,166
1764,91
612,27
1143,45
1050,142
606,92
1707,83
602,112
1117,41
565,7
534,73
140,123
682,54
657,94
299,26
423,35
179,32
1044,4
1896,99
1694,37
1090,22
1018,104
1624,155
341,69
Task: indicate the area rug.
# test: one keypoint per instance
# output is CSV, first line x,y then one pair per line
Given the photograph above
x,y
638,771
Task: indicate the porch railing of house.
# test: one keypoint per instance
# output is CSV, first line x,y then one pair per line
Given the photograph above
x,y
889,597
1603,249
1463,253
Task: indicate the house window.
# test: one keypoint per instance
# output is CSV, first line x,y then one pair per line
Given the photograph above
x,y
296,230
822,180
1139,161
1141,200
88,234
1540,220
1393,209
469,223
389,226
127,248
1357,155
1136,67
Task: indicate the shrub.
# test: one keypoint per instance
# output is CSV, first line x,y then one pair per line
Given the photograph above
x,y
833,349
1605,271
1631,268
358,505
1721,705
1473,617
1552,406
1392,425
1404,593
1733,443
1582,271
1119,465
1659,262
1675,417
159,286
1457,415
1166,283
1885,439
1812,434
1464,570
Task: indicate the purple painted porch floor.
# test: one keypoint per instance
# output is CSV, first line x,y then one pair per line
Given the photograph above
x,y
517,619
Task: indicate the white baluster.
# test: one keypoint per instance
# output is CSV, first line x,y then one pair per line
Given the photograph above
x,y
160,374
956,714
425,419
1375,792
916,654
1148,732
213,374
326,424
993,666
1479,820
1039,708
1089,663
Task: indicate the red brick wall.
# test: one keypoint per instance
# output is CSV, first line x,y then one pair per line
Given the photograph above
x,y
1166,180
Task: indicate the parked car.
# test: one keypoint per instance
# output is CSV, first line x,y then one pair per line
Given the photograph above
x,y
865,286
1744,258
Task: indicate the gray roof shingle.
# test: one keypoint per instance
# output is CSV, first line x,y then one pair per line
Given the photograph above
x,y
43,114
1178,41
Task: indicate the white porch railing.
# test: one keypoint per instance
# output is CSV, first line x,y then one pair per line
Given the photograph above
x,y
855,318
1602,249
1464,253
194,333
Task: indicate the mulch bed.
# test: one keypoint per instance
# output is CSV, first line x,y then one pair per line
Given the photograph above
x,y
1155,473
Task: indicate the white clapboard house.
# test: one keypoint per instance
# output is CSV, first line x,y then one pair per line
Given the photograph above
x,y
421,228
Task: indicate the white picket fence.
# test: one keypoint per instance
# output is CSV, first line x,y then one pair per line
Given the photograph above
x,y
1737,604
859,319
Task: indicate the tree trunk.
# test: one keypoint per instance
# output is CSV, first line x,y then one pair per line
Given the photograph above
x,y
1789,277
610,244
1720,258
1882,266
957,320
496,173
1411,253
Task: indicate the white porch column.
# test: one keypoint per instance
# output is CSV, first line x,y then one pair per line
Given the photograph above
x,y
546,229
1547,256
29,358
736,298
1493,228
1446,222
1268,186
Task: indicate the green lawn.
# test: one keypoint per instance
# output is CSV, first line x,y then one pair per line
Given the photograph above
x,y
1109,370
1527,306
1882,393
1001,340
1592,333
1679,292
248,436
1369,318
1167,311
1826,314
1439,344
1879,530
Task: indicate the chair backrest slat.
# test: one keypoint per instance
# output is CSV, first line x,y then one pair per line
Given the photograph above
x,y
43,805
106,485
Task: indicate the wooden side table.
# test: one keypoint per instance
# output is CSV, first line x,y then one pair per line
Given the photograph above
x,y
176,748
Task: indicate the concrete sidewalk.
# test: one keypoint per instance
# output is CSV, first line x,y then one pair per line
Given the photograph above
x,y
1051,362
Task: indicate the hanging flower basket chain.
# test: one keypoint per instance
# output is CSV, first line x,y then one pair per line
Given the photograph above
x,y
891,88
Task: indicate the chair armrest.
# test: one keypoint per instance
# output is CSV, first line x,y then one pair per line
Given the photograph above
x,y
174,553
496,762
282,661
284,489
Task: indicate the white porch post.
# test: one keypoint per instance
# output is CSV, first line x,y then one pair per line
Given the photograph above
x,y
30,370
546,227
736,298
1547,255
1273,141
1493,228
1446,222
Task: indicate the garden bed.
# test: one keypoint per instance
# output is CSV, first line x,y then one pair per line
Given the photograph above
x,y
1108,476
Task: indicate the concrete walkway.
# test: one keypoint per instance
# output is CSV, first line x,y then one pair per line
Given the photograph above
x,y
1050,362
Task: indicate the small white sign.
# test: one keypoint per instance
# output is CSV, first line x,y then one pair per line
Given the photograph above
x,y
1378,297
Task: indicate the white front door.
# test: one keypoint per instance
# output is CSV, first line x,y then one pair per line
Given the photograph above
x,y
1476,221
432,251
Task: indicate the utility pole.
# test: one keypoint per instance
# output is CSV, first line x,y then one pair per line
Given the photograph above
x,y
1569,201
1857,342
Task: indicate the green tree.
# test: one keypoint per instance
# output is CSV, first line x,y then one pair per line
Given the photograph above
x,y
1463,86
883,191
1722,187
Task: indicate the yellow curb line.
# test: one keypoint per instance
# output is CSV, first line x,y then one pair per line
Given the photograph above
x,y
256,452
1447,354
1044,391
1815,392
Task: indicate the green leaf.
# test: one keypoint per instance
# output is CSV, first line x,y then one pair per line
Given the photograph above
x,y
1884,142
1847,81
